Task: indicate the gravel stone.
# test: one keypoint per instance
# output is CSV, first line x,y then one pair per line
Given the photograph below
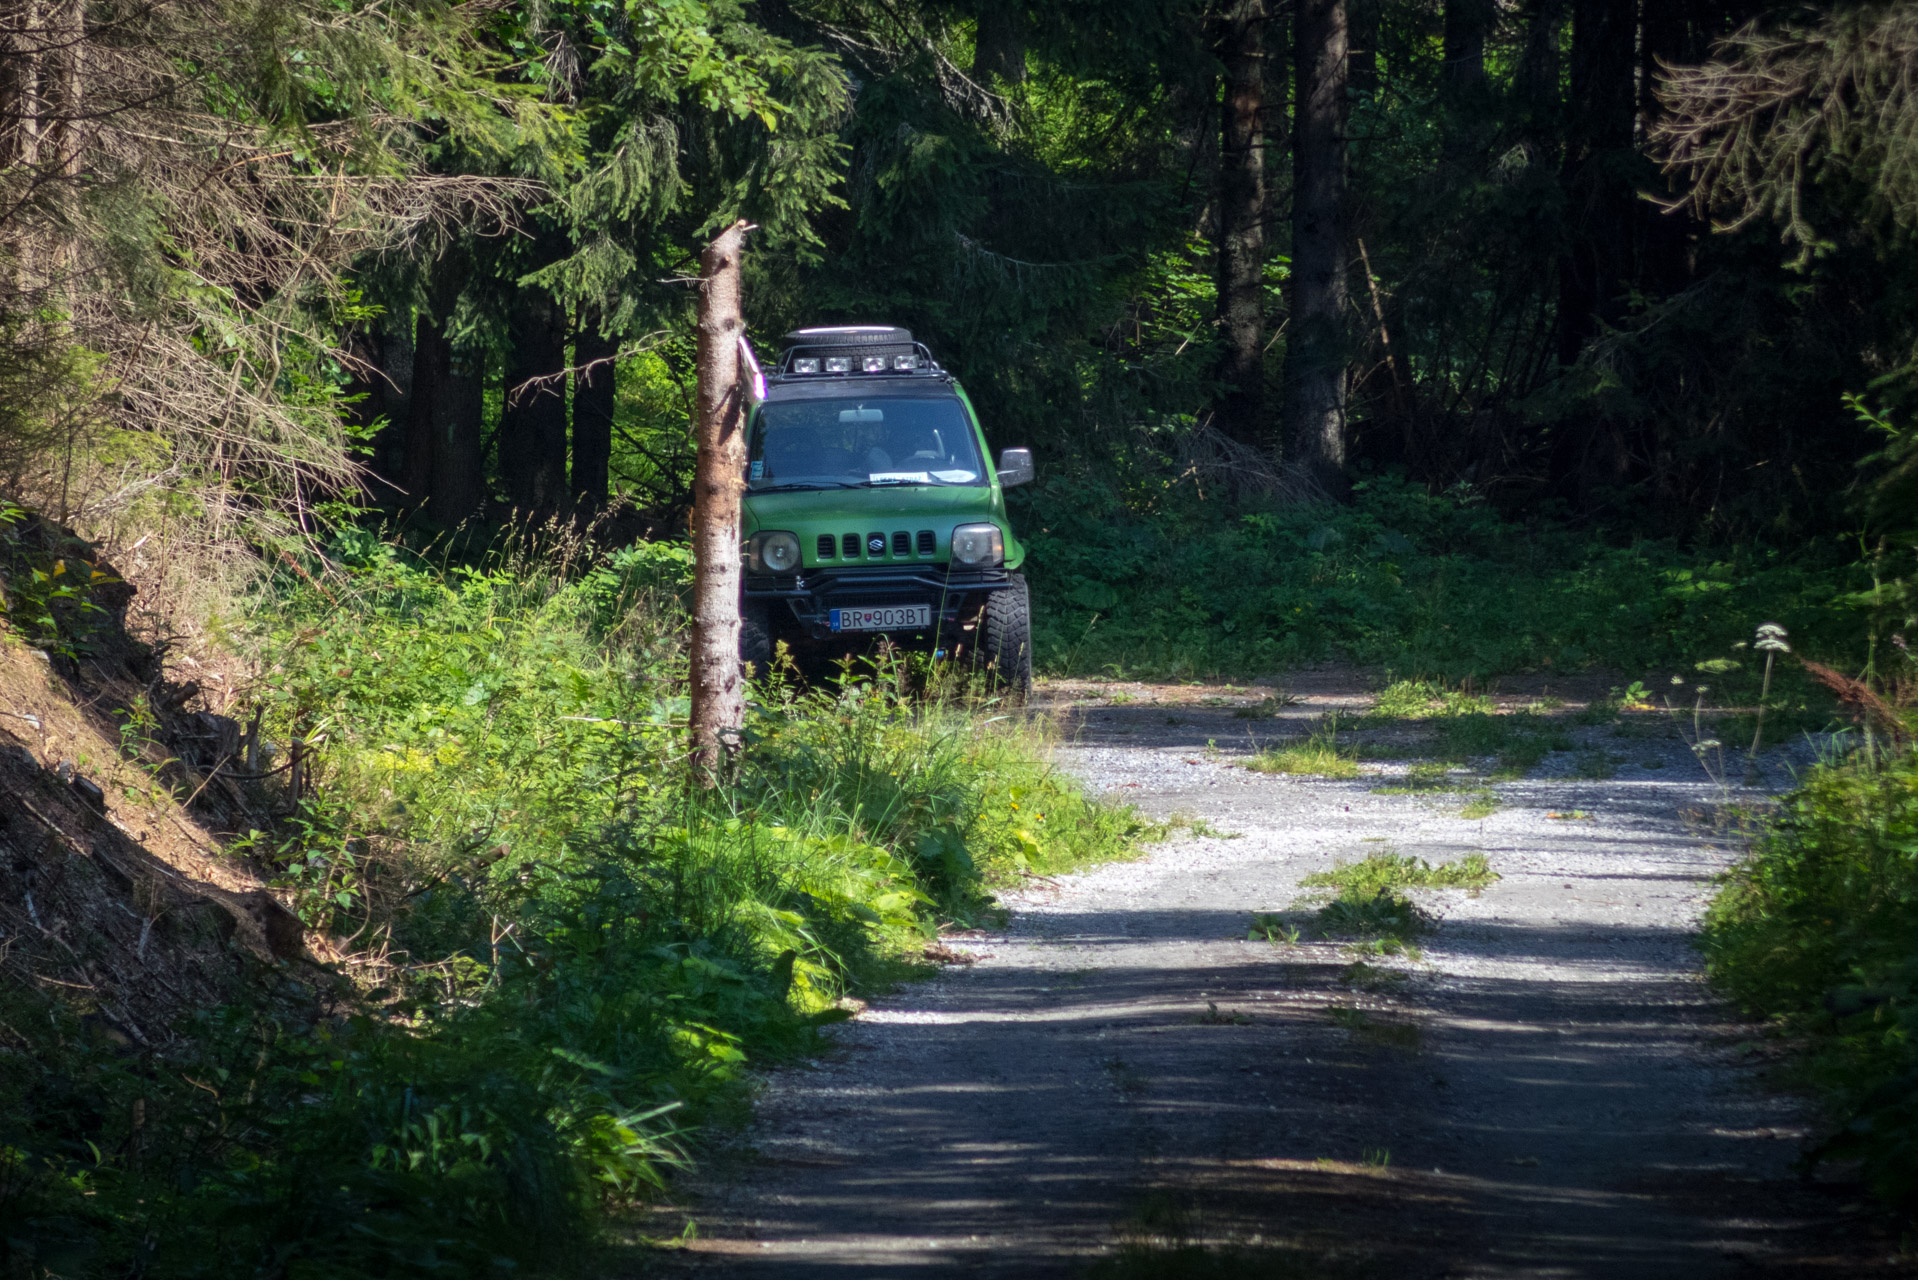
x,y
1548,1090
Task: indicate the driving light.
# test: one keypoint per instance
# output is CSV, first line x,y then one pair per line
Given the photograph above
x,y
805,364
905,364
873,364
776,552
978,545
838,364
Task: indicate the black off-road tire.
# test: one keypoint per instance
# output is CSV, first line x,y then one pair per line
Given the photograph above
x,y
756,637
1005,639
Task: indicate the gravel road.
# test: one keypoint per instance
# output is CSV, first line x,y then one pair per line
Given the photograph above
x,y
1549,1090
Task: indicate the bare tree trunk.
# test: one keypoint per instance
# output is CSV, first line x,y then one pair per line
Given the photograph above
x,y
65,68
718,693
1535,87
1314,411
595,389
1592,273
20,81
532,429
1365,21
1589,453
459,481
999,42
1240,412
431,355
390,387
1463,88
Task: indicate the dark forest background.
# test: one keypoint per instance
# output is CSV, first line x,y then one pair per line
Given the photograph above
x,y
1550,250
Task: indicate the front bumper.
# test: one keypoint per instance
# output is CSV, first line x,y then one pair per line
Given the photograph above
x,y
954,595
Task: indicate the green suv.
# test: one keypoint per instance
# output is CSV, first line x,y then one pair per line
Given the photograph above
x,y
872,511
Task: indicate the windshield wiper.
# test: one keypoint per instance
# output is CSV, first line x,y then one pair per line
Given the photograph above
x,y
806,484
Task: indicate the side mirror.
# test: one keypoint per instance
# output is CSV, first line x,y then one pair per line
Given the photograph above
x,y
1015,467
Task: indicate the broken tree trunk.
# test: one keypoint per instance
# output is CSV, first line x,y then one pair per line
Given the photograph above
x,y
719,475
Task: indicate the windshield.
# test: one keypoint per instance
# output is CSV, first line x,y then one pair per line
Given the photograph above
x,y
873,440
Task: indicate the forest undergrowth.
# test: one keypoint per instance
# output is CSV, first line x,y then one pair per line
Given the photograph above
x,y
550,958
1148,577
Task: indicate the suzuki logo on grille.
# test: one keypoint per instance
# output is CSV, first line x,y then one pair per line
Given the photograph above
x,y
876,545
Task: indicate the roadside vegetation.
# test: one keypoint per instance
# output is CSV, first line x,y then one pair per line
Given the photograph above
x,y
551,957
1818,932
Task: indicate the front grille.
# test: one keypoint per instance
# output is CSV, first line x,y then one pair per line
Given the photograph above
x,y
902,543
927,543
849,546
826,545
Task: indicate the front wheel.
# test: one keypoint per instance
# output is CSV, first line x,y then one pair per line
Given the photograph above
x,y
756,637
1005,638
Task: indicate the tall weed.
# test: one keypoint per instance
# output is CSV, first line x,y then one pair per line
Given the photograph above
x,y
1819,927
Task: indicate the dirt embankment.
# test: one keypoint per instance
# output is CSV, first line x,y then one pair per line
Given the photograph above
x,y
116,898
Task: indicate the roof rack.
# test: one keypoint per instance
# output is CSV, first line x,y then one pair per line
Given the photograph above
x,y
854,351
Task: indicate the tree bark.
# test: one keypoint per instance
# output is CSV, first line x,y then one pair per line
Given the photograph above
x,y
431,356
20,42
532,428
718,692
1240,411
1535,84
1364,21
999,43
381,380
1463,88
1600,206
1314,410
64,90
459,482
595,389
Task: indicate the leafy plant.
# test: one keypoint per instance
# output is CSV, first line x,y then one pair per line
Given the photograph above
x,y
1271,927
1387,870
1818,927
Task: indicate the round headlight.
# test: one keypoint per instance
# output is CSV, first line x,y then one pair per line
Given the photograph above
x,y
777,552
978,545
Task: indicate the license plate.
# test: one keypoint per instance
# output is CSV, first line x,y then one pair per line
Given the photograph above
x,y
891,617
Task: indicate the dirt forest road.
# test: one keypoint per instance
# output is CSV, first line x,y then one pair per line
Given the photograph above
x,y
1122,1078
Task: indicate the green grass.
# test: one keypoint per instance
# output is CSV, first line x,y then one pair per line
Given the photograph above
x,y
1380,915
1520,741
1480,804
1422,700
1385,870
588,952
1271,927
1320,754
1134,576
1818,930
1312,758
